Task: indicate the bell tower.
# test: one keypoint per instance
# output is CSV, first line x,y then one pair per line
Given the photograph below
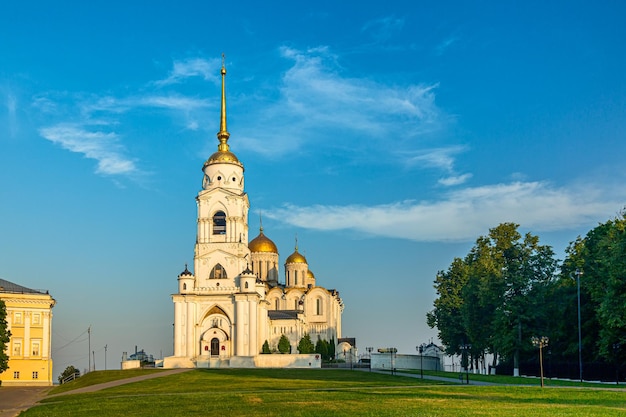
x,y
222,235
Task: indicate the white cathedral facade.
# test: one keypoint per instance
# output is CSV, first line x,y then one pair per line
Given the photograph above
x,y
233,301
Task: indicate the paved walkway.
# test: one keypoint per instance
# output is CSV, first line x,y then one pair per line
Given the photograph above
x,y
431,377
14,400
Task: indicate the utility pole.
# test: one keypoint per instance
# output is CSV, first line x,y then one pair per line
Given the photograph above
x,y
105,357
89,351
580,343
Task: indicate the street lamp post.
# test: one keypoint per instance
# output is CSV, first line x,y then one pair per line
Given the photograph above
x,y
420,349
580,348
616,347
391,351
541,342
464,349
369,351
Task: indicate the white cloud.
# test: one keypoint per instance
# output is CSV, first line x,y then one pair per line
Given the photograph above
x,y
192,67
354,113
11,104
445,44
103,147
465,214
384,28
115,105
454,180
441,158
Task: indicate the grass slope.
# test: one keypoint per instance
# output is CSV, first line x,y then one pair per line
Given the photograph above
x,y
281,392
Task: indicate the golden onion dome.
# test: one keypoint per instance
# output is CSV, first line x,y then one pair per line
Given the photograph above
x,y
223,157
310,274
296,258
262,243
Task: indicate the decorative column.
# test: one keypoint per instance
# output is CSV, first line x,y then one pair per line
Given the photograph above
x,y
239,330
46,351
191,351
254,324
27,346
177,328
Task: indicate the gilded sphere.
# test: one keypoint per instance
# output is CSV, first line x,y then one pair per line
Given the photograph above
x,y
223,157
262,243
296,258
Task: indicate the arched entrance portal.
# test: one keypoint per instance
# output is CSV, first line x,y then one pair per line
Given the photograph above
x,y
215,347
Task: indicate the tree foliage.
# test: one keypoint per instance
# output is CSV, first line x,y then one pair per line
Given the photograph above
x,y
266,348
321,347
5,337
283,345
507,289
306,345
69,371
485,299
600,258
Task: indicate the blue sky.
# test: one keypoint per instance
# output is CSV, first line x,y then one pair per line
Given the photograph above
x,y
387,136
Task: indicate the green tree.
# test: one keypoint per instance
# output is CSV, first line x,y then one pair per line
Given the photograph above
x,y
446,316
306,345
266,348
600,257
69,371
5,337
321,347
486,299
331,348
283,345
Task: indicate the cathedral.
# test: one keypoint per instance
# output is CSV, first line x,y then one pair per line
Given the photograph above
x,y
233,306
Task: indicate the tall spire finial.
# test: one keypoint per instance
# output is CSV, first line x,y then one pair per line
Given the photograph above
x,y
261,221
223,134
296,242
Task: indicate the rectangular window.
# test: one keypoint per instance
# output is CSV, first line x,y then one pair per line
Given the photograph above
x,y
35,349
36,319
16,375
17,348
35,375
17,318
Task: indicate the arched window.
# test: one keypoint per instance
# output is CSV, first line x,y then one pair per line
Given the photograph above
x,y
296,283
246,286
276,304
184,286
219,223
318,307
218,272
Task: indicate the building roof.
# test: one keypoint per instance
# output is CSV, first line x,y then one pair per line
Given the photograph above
x,y
296,258
262,243
349,340
11,287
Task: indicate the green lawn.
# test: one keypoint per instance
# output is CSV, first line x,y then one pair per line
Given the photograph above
x,y
278,392
515,380
98,377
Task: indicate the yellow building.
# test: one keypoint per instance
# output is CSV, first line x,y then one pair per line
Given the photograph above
x,y
29,318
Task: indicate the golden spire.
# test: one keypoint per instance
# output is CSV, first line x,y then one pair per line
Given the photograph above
x,y
223,134
223,154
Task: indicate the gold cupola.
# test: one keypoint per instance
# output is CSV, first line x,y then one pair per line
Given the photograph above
x,y
296,258
262,243
223,154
